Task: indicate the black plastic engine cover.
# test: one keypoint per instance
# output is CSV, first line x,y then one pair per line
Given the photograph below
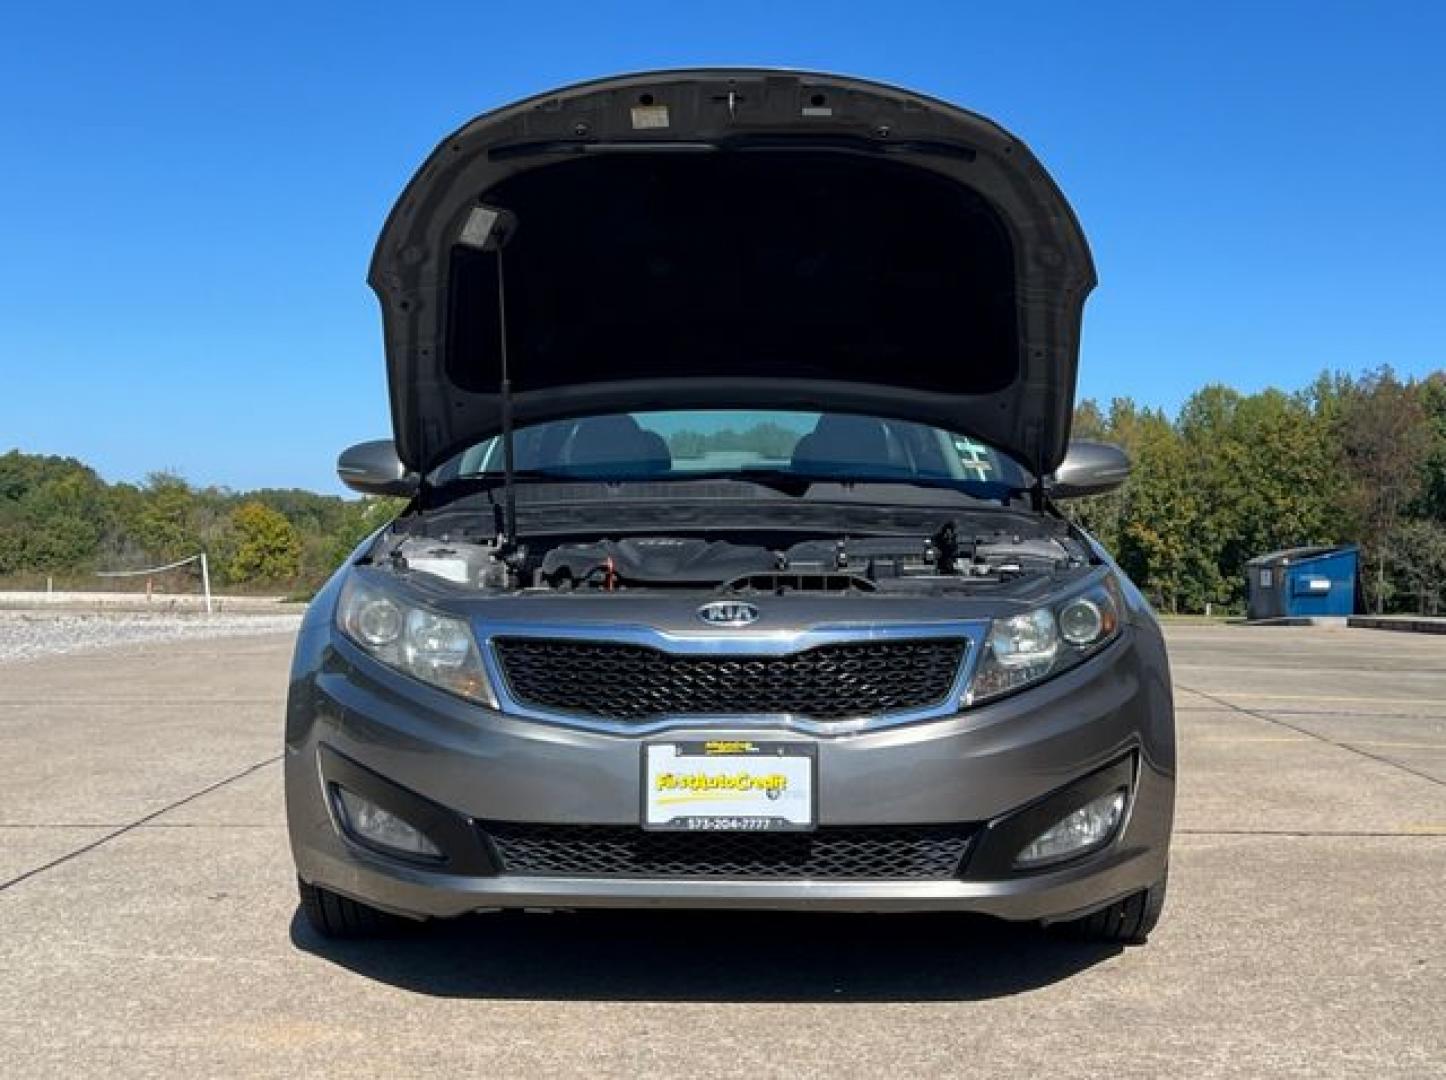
x,y
654,560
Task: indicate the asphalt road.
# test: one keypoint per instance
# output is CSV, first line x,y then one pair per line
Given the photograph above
x,y
148,919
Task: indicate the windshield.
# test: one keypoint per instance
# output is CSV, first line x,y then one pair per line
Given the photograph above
x,y
688,443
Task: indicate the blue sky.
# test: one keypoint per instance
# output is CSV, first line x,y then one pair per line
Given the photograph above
x,y
189,193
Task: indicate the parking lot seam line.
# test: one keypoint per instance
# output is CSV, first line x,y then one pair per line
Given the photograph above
x,y
1374,714
146,825
108,837
1213,696
1438,717
214,825
62,825
1424,832
1350,748
1395,673
1287,740
112,699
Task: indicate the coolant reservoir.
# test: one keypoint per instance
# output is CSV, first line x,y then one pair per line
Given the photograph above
x,y
456,562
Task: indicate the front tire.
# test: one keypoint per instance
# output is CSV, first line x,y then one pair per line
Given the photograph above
x,y
1125,922
335,916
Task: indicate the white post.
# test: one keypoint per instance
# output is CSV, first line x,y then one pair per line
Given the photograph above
x,y
206,581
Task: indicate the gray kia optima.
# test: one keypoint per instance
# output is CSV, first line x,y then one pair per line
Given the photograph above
x,y
732,409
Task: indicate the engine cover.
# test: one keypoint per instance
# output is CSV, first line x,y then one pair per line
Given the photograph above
x,y
654,560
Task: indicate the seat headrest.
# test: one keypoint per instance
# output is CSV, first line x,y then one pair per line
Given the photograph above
x,y
616,440
839,442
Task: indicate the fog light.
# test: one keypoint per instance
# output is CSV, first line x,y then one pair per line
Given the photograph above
x,y
382,827
1088,827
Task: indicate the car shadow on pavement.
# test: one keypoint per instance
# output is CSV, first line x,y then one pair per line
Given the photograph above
x,y
702,956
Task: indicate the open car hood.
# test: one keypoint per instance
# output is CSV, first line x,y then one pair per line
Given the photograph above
x,y
732,239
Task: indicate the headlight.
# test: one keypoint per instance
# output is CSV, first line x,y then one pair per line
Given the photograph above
x,y
1024,649
437,649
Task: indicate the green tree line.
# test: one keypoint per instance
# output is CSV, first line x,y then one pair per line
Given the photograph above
x,y
59,518
1346,460
1230,476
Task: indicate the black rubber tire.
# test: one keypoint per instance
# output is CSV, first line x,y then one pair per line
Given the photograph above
x,y
1125,922
335,916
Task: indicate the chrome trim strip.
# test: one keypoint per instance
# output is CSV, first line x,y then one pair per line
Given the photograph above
x,y
733,643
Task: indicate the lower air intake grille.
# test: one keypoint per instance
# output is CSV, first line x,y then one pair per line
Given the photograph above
x,y
898,852
636,682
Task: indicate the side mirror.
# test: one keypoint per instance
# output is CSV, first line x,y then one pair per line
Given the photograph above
x,y
1089,468
373,468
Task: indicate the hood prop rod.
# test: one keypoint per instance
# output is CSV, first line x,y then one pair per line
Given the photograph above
x,y
488,228
504,394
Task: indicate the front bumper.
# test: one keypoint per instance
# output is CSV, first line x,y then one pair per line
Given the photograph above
x,y
987,768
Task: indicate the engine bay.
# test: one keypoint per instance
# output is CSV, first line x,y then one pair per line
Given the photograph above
x,y
946,559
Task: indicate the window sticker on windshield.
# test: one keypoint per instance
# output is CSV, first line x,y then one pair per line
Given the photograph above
x,y
974,456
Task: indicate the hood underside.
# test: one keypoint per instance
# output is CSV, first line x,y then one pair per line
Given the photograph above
x,y
733,239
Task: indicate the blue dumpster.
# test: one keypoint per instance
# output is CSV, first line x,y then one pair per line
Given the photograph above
x,y
1302,583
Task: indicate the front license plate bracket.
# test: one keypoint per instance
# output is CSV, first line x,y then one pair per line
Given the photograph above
x,y
730,785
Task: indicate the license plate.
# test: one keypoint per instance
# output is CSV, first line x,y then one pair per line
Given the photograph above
x,y
728,785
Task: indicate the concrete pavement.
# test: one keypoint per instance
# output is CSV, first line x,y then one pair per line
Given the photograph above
x,y
148,922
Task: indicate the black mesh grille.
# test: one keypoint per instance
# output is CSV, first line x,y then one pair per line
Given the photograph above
x,y
634,682
911,852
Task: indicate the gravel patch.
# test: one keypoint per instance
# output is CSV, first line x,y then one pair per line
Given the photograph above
x,y
28,635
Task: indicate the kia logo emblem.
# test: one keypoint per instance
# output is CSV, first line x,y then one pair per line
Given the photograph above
x,y
728,613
